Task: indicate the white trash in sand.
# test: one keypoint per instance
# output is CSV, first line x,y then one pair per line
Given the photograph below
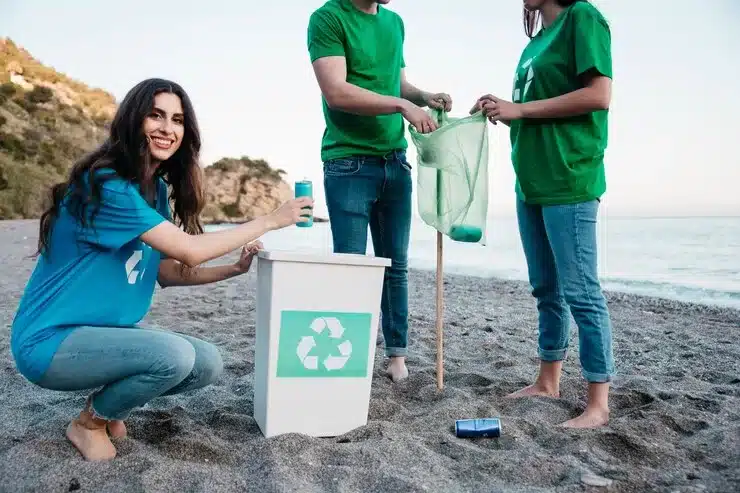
x,y
317,323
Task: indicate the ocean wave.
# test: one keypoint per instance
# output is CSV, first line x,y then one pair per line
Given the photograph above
x,y
673,291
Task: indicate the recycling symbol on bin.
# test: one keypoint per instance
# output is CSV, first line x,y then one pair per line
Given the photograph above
x,y
335,332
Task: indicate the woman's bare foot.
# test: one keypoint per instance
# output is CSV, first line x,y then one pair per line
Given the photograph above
x,y
397,368
547,383
592,417
89,436
597,409
117,429
534,390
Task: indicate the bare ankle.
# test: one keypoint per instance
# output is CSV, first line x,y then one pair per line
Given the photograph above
x,y
90,421
547,386
397,368
117,429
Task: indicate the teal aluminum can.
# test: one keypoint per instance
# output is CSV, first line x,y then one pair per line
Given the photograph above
x,y
304,188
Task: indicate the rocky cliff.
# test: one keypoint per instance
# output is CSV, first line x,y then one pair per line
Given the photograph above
x,y
239,190
48,120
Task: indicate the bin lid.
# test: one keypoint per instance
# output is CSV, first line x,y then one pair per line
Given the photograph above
x,y
327,258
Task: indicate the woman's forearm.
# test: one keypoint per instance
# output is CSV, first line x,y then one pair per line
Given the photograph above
x,y
174,273
594,97
193,250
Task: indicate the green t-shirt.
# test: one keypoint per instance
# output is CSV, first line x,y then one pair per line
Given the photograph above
x,y
372,45
561,161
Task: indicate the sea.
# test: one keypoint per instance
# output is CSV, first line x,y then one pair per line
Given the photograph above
x,y
695,259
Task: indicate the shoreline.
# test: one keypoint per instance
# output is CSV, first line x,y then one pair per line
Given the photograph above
x,y
675,423
422,257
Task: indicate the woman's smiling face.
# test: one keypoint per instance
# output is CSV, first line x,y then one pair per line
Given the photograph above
x,y
164,126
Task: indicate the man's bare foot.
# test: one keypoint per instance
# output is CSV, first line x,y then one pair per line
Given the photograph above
x,y
592,417
534,390
117,429
91,439
397,370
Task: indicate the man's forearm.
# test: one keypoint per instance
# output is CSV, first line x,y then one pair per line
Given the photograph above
x,y
413,94
172,273
353,99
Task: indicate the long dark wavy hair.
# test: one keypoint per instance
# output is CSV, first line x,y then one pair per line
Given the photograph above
x,y
532,18
126,153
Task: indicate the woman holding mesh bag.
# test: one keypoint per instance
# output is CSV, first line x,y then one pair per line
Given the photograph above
x,y
558,128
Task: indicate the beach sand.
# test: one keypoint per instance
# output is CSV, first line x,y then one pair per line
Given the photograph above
x,y
675,422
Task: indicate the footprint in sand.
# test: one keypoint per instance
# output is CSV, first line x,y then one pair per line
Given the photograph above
x,y
718,378
232,426
627,400
703,404
683,425
468,380
628,448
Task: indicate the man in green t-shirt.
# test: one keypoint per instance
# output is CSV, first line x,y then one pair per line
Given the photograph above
x,y
558,119
356,48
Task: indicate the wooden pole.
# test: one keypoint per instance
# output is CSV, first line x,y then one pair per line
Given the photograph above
x,y
440,287
440,315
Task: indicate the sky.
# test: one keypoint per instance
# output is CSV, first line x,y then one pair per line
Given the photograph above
x,y
673,120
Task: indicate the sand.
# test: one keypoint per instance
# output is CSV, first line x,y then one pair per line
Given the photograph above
x,y
675,406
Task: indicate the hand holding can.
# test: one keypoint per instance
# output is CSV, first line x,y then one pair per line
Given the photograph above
x,y
304,188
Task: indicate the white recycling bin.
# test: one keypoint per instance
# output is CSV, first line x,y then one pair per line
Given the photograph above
x,y
317,323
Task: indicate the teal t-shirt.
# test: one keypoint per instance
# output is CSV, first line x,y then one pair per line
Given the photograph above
x,y
372,45
561,160
96,275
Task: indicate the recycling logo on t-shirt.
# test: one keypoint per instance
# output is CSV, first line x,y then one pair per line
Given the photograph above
x,y
523,81
323,344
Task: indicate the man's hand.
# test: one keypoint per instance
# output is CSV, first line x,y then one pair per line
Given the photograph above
x,y
419,118
248,253
439,101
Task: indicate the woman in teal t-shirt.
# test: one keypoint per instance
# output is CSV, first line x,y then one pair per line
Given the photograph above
x,y
558,119
105,241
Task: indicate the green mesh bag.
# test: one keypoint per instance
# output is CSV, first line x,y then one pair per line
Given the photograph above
x,y
452,176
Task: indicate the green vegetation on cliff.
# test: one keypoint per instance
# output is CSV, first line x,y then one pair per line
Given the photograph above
x,y
252,168
47,121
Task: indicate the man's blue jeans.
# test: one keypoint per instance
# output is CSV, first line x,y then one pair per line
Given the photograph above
x,y
560,247
374,191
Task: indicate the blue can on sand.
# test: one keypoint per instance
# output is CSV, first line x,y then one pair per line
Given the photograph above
x,y
478,428
304,188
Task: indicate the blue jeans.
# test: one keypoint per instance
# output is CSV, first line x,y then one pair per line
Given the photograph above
x,y
373,191
560,247
131,365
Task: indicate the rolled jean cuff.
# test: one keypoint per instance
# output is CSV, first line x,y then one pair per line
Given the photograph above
x,y
597,377
553,354
121,416
396,351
